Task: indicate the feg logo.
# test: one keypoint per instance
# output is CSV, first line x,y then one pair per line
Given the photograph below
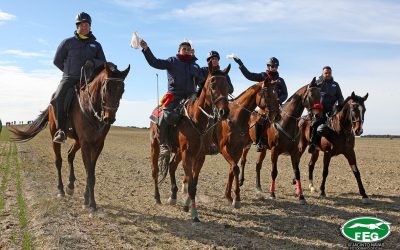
x,y
366,229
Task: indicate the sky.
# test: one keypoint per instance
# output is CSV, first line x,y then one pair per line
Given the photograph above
x,y
360,40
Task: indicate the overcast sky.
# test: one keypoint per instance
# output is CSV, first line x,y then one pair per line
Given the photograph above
x,y
360,40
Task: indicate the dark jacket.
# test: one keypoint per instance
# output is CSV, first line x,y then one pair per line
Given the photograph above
x,y
330,94
205,75
73,52
182,75
280,86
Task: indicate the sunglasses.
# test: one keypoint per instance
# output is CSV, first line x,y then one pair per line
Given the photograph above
x,y
273,66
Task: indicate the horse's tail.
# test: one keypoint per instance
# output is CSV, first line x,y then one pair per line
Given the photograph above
x,y
164,167
34,128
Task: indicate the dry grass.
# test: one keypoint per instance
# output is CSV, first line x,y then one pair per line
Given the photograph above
x,y
129,219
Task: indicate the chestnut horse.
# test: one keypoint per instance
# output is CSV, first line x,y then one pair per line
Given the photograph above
x,y
231,135
283,138
346,123
90,117
194,134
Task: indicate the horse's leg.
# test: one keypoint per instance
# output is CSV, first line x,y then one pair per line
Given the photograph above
x,y
197,165
71,156
58,162
228,188
274,172
185,184
187,167
236,202
351,158
261,157
325,171
234,172
243,164
90,157
295,158
172,169
154,154
311,165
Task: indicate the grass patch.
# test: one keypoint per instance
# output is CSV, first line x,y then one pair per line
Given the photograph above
x,y
5,135
23,221
5,168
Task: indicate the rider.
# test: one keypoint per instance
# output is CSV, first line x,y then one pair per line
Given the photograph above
x,y
182,73
330,95
277,82
80,50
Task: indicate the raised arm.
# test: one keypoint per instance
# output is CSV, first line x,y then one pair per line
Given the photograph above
x,y
151,59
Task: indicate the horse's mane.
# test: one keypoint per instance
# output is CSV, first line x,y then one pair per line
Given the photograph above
x,y
295,94
114,71
216,72
244,92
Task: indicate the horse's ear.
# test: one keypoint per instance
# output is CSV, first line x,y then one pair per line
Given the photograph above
x,y
107,67
313,82
126,71
210,67
365,97
353,96
227,69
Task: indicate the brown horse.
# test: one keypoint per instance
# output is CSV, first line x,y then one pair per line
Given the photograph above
x,y
231,135
283,137
346,123
90,117
194,134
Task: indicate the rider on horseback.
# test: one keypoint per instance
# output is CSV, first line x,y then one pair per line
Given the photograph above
x,y
80,50
183,74
277,82
330,94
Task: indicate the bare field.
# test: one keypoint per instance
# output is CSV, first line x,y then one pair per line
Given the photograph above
x,y
128,218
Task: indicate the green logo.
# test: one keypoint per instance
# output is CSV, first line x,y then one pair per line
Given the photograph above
x,y
366,229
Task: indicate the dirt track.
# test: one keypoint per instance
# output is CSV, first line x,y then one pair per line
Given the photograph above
x,y
128,217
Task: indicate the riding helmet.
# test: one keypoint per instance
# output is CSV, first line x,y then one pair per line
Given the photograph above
x,y
212,54
273,61
83,17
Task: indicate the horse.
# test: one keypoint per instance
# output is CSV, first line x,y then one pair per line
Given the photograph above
x,y
231,135
90,116
282,138
194,134
345,123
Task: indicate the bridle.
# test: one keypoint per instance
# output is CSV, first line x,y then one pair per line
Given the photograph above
x,y
99,115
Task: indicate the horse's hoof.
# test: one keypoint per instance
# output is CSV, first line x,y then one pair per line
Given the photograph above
x,y
241,182
259,195
60,195
312,189
322,195
171,201
271,196
366,200
85,206
236,204
69,191
302,201
185,209
195,220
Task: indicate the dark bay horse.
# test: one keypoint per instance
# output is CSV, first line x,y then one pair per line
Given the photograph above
x,y
231,135
283,138
194,133
90,117
346,123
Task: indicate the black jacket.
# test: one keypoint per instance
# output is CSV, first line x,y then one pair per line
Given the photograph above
x,y
182,75
330,94
280,86
73,52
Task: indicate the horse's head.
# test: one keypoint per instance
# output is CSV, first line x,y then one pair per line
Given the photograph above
x,y
216,88
312,95
357,111
112,88
267,101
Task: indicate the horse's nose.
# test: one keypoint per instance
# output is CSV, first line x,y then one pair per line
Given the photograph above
x,y
358,131
108,120
223,113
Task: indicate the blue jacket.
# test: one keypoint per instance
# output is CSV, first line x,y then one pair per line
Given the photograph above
x,y
280,86
205,75
182,75
330,94
73,52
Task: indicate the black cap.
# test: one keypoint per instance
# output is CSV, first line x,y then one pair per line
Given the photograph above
x,y
273,61
83,17
212,54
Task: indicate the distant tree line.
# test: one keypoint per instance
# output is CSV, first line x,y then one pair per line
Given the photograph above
x,y
381,136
